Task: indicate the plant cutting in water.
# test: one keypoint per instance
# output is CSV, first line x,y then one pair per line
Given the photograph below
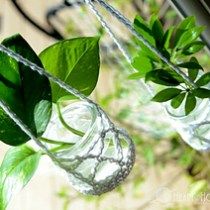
x,y
178,44
31,96
93,143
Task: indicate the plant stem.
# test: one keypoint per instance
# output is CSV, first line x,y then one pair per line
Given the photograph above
x,y
72,130
52,141
58,148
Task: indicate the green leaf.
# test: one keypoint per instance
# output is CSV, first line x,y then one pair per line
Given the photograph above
x,y
17,168
158,33
26,92
167,37
203,80
142,63
153,18
193,47
74,61
163,77
189,36
186,24
190,103
190,65
166,94
177,101
193,73
202,93
143,29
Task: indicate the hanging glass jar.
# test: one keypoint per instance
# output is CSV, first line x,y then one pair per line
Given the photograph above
x,y
195,127
96,155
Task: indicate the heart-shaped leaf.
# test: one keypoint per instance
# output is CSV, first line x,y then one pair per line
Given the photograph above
x,y
74,61
26,92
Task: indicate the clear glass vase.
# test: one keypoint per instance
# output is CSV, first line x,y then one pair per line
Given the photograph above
x,y
194,128
100,159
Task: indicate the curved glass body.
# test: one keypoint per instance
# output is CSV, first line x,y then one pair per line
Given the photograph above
x,y
100,159
194,128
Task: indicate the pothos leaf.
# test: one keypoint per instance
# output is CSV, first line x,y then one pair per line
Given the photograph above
x,y
16,170
26,92
74,61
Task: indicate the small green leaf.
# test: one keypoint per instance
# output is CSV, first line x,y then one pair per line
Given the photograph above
x,y
190,103
163,77
17,168
193,73
202,93
143,29
167,37
142,63
203,80
186,24
193,47
153,18
189,36
190,65
177,101
158,33
74,61
166,94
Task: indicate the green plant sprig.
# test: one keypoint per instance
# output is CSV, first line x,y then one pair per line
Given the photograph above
x,y
30,96
178,44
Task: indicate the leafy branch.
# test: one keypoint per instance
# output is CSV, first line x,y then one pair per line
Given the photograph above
x,y
178,44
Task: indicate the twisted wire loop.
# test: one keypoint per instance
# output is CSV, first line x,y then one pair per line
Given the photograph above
x,y
194,128
98,161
